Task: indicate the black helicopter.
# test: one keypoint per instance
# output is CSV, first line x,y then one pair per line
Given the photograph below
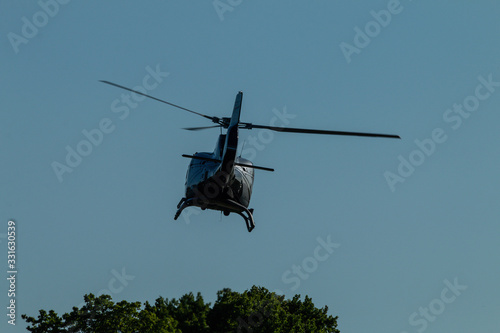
x,y
222,180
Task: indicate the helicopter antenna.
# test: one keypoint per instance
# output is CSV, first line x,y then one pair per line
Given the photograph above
x,y
243,147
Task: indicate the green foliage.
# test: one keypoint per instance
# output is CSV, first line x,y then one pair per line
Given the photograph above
x,y
255,310
258,310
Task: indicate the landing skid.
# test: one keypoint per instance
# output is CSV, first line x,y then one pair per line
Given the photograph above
x,y
248,216
182,205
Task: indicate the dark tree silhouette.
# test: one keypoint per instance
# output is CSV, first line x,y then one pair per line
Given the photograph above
x,y
255,310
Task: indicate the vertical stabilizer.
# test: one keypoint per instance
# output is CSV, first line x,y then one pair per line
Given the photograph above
x,y
235,118
232,137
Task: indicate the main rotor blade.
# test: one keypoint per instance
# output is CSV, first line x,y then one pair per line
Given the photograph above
x,y
214,119
200,128
315,131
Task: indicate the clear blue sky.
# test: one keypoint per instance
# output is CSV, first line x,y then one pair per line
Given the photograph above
x,y
400,248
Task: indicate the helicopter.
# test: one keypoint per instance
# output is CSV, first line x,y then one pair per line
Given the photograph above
x,y
221,180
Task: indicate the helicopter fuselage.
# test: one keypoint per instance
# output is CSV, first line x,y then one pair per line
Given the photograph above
x,y
221,180
211,184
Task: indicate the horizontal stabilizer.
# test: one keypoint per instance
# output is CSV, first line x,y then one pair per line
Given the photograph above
x,y
202,158
255,167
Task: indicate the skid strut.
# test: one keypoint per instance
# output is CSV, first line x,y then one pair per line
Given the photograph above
x,y
182,205
248,216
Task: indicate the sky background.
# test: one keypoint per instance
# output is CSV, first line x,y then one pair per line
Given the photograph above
x,y
113,214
